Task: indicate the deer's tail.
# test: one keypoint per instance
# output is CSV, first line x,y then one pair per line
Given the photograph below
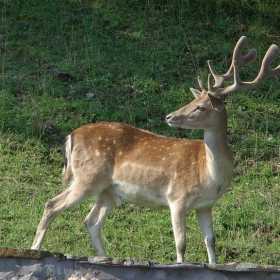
x,y
67,173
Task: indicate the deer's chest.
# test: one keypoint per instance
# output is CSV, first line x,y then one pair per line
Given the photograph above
x,y
210,193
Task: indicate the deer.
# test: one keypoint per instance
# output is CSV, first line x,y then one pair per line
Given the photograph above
x,y
114,161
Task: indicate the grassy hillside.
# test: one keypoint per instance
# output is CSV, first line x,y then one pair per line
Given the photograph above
x,y
67,63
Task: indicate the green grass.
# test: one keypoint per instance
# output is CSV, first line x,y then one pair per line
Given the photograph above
x,y
133,62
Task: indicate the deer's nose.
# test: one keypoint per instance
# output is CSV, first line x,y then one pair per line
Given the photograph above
x,y
168,117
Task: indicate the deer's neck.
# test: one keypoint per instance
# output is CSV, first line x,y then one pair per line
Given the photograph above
x,y
218,155
216,142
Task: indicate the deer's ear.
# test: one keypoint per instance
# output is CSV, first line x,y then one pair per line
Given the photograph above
x,y
195,92
216,103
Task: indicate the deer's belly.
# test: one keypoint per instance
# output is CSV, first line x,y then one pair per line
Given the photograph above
x,y
151,198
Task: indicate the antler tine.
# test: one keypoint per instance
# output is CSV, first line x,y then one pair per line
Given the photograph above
x,y
203,88
234,86
265,72
210,87
238,57
219,79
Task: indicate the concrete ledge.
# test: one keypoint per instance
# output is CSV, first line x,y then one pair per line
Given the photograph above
x,y
33,264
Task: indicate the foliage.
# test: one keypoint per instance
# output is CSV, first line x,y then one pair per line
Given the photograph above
x,y
68,63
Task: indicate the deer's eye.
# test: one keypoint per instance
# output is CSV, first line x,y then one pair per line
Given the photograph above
x,y
200,108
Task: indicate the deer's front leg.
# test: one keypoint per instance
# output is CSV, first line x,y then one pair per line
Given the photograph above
x,y
204,217
178,219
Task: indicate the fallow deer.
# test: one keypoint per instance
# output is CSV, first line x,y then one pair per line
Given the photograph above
x,y
114,161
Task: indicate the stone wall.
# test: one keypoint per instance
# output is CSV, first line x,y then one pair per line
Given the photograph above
x,y
32,264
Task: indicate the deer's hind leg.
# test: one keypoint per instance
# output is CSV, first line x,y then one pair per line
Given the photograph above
x,y
76,193
102,207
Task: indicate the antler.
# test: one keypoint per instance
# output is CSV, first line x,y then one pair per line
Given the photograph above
x,y
238,61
